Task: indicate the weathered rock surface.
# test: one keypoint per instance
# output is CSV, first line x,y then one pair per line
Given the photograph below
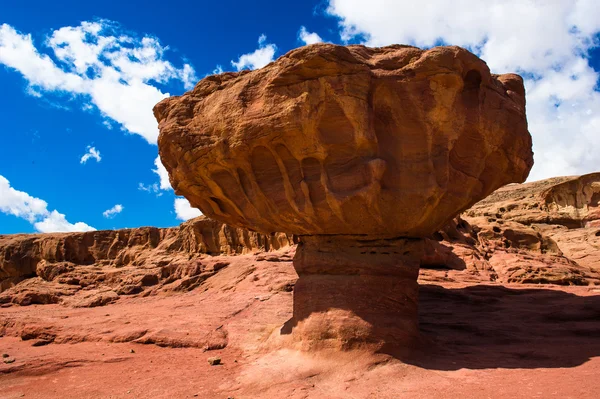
x,y
571,201
349,148
391,141
487,244
504,339
355,293
540,232
106,264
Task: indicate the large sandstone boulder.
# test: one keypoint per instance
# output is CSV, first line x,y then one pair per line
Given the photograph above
x,y
361,152
391,141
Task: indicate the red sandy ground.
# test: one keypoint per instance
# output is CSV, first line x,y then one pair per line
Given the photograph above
x,y
478,341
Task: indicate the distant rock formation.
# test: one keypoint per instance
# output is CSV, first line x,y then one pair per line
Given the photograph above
x,y
493,243
540,232
132,259
362,152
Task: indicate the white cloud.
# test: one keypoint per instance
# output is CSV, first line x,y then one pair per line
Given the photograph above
x,y
19,203
56,222
113,71
112,212
91,153
546,41
259,57
162,173
18,52
308,37
184,211
218,70
35,211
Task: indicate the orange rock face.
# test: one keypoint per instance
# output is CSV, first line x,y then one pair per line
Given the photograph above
x,y
386,142
354,293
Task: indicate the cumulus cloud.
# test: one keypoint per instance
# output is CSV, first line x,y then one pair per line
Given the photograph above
x,y
112,212
35,211
258,58
184,211
56,222
162,173
308,37
91,153
111,70
545,41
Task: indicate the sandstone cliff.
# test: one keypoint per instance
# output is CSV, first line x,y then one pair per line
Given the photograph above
x,y
539,232
126,261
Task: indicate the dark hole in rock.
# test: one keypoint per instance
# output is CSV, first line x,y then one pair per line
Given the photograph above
x,y
472,80
438,236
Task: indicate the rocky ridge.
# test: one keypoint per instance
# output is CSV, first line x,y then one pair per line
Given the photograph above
x,y
477,323
95,268
495,241
540,232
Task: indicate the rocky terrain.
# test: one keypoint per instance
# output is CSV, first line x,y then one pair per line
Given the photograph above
x,y
95,268
509,307
539,232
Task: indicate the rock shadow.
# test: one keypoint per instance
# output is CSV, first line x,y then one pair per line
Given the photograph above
x,y
486,326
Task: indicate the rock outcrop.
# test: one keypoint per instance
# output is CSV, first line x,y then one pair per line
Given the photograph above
x,y
120,262
571,201
349,148
393,141
484,245
540,232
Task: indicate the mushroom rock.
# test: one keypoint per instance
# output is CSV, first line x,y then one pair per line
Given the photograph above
x,y
361,152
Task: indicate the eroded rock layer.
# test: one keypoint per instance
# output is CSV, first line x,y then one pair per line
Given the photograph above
x,y
493,242
540,232
110,263
354,292
388,142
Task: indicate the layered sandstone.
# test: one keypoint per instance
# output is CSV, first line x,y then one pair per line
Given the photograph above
x,y
349,148
570,201
540,232
110,263
484,245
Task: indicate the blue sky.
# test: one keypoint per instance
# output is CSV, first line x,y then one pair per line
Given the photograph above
x,y
81,77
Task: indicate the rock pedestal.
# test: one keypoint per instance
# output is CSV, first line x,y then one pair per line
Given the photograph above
x,y
345,146
355,292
